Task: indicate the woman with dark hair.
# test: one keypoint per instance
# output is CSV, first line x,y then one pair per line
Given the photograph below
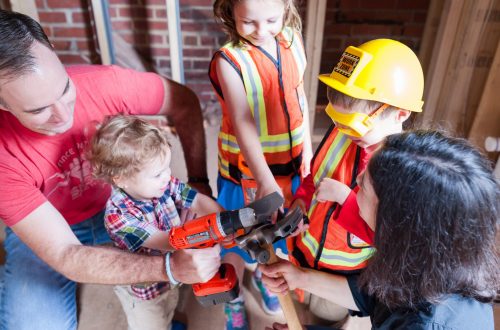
x,y
433,203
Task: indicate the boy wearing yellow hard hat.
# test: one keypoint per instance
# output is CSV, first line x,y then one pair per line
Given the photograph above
x,y
371,91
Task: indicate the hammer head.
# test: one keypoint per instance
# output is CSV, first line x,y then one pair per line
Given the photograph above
x,y
257,238
266,206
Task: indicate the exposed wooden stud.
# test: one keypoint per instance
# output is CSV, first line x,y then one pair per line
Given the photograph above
x,y
315,20
27,7
430,32
487,119
463,51
175,40
452,107
102,32
443,46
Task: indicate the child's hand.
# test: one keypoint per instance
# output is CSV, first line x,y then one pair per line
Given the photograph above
x,y
333,191
228,241
301,227
298,203
264,190
282,276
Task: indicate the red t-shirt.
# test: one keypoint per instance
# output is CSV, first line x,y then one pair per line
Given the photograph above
x,y
36,168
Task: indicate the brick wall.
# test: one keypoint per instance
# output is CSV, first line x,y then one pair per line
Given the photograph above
x,y
67,24
143,24
352,22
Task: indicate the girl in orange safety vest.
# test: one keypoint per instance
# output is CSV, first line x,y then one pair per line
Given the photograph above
x,y
264,140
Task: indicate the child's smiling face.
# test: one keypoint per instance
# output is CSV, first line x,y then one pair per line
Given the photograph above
x,y
259,21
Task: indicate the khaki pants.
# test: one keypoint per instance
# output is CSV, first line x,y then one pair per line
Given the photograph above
x,y
151,314
325,309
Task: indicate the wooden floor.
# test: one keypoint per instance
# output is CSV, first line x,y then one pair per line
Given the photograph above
x,y
101,310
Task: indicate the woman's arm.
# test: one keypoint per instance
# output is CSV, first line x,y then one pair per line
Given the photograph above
x,y
284,276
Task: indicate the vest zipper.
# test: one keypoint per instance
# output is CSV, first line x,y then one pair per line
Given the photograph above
x,y
323,234
285,108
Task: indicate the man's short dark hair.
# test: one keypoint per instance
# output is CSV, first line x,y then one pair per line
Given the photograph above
x,y
17,34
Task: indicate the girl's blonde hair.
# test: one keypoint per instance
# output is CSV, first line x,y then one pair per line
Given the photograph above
x,y
122,145
223,12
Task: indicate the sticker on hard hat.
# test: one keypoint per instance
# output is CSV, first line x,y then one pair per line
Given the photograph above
x,y
347,64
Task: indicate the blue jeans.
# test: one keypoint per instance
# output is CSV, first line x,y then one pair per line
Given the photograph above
x,y
35,296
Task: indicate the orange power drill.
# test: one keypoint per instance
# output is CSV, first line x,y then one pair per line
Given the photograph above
x,y
212,229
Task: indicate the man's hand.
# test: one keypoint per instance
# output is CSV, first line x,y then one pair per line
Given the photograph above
x,y
282,276
333,191
195,266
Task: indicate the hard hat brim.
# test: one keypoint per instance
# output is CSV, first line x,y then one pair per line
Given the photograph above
x,y
359,93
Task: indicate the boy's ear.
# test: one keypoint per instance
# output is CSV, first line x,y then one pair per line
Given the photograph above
x,y
402,115
117,181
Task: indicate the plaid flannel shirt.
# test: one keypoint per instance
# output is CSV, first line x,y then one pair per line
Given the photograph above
x,y
130,223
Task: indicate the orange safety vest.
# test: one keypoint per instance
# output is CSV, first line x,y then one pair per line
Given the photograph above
x,y
275,95
326,245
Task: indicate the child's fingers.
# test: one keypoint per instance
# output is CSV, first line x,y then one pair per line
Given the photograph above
x,y
319,195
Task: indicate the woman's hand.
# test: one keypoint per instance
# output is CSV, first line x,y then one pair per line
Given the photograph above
x,y
282,276
330,190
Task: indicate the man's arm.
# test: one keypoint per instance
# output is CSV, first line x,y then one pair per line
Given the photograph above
x,y
182,108
46,232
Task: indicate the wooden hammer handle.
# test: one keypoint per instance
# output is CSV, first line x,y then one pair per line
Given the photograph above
x,y
286,301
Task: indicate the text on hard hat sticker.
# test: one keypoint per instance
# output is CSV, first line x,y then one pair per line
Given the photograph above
x,y
347,64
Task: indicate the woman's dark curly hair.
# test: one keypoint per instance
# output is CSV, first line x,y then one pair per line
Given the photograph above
x,y
437,218
223,12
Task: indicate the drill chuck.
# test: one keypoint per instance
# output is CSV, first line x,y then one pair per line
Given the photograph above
x,y
232,221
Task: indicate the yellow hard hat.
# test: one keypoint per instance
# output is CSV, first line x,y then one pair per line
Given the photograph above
x,y
382,70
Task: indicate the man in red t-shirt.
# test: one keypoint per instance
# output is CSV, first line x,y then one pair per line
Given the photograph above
x,y
48,197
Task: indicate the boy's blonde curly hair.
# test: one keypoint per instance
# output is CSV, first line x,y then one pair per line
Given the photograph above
x,y
122,145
